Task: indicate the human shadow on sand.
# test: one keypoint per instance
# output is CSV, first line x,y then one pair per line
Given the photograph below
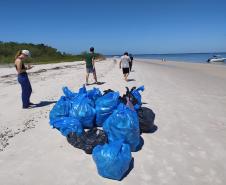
x,y
144,103
42,104
130,80
146,120
94,83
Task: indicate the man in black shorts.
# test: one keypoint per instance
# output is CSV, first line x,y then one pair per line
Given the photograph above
x,y
124,64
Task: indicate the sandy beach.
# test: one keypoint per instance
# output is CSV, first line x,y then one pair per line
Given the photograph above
x,y
189,147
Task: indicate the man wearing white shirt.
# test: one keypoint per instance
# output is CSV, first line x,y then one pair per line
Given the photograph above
x,y
124,64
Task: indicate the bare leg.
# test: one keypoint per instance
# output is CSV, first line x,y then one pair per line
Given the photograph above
x,y
87,78
126,76
95,76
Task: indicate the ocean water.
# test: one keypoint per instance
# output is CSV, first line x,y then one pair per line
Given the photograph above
x,y
184,57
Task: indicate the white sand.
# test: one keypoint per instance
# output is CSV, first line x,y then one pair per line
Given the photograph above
x,y
189,147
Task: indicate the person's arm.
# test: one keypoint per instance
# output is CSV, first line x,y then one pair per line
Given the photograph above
x,y
29,67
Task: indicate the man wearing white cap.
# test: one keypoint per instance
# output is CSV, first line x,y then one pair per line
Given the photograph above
x,y
23,77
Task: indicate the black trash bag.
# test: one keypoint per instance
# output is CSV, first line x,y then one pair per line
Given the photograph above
x,y
88,140
129,94
107,91
146,120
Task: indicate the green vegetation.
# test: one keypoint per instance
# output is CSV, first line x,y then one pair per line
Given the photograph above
x,y
40,53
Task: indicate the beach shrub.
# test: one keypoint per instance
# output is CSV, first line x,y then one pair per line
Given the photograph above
x,y
41,53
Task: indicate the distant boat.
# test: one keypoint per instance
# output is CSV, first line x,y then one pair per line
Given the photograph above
x,y
216,58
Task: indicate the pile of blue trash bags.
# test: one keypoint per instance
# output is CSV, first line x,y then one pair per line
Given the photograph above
x,y
111,119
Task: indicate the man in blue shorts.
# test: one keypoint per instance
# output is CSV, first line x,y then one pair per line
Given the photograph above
x,y
90,65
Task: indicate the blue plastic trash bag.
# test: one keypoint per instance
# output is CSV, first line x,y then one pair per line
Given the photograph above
x,y
68,93
105,106
67,125
82,108
112,160
94,94
61,109
137,95
123,125
82,90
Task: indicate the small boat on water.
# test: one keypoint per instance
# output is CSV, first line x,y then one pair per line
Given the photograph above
x,y
216,58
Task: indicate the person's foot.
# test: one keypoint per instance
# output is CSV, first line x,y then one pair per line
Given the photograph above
x,y
30,105
26,107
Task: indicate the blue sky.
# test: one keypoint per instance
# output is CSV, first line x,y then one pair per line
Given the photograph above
x,y
113,26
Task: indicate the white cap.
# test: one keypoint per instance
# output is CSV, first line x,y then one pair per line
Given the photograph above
x,y
26,52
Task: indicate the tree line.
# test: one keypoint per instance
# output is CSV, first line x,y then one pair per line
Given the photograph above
x,y
41,53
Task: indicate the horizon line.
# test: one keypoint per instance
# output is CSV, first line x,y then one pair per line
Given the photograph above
x,y
214,52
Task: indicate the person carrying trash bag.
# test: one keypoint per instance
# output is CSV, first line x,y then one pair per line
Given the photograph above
x,y
123,125
105,106
112,160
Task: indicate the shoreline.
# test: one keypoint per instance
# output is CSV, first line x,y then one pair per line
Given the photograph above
x,y
181,61
11,65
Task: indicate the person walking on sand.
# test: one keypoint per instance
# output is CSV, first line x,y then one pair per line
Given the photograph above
x,y
124,64
131,62
90,65
23,77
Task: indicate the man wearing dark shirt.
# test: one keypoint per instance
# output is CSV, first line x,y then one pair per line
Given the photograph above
x,y
90,65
